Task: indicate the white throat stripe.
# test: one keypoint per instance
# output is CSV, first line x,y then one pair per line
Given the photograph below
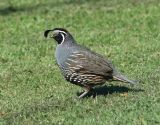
x,y
62,37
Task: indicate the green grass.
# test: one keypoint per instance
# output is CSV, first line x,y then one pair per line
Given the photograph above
x,y
32,90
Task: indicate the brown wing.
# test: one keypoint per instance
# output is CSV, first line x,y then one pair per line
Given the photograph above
x,y
90,64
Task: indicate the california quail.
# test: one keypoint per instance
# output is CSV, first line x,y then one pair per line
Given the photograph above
x,y
80,65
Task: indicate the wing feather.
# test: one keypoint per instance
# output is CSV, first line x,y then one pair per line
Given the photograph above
x,y
90,63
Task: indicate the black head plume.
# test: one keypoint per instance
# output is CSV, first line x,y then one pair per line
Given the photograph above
x,y
46,33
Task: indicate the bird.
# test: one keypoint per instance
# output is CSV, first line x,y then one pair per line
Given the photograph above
x,y
81,66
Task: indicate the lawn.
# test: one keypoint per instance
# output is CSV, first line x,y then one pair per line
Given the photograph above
x,y
32,90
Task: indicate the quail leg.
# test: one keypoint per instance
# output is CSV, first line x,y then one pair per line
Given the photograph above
x,y
85,92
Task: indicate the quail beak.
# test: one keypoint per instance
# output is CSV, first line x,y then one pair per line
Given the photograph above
x,y
49,33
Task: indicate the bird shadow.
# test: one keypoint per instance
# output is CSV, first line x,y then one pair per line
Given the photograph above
x,y
107,90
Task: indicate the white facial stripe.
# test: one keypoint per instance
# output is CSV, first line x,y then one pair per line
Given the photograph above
x,y
62,32
59,31
63,37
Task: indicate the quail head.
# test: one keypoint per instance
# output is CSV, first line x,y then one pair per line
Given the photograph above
x,y
80,65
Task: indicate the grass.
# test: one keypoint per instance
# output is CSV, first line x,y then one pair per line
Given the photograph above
x,y
32,91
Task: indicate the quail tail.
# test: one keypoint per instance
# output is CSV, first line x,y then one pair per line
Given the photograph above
x,y
123,78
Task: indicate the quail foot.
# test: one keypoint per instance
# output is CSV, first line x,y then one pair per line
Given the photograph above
x,y
80,65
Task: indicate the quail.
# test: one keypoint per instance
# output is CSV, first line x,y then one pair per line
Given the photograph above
x,y
81,66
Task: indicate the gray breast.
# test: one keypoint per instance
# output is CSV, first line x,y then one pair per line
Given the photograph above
x,y
62,53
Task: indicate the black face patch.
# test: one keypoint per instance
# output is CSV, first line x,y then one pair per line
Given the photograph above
x,y
59,38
